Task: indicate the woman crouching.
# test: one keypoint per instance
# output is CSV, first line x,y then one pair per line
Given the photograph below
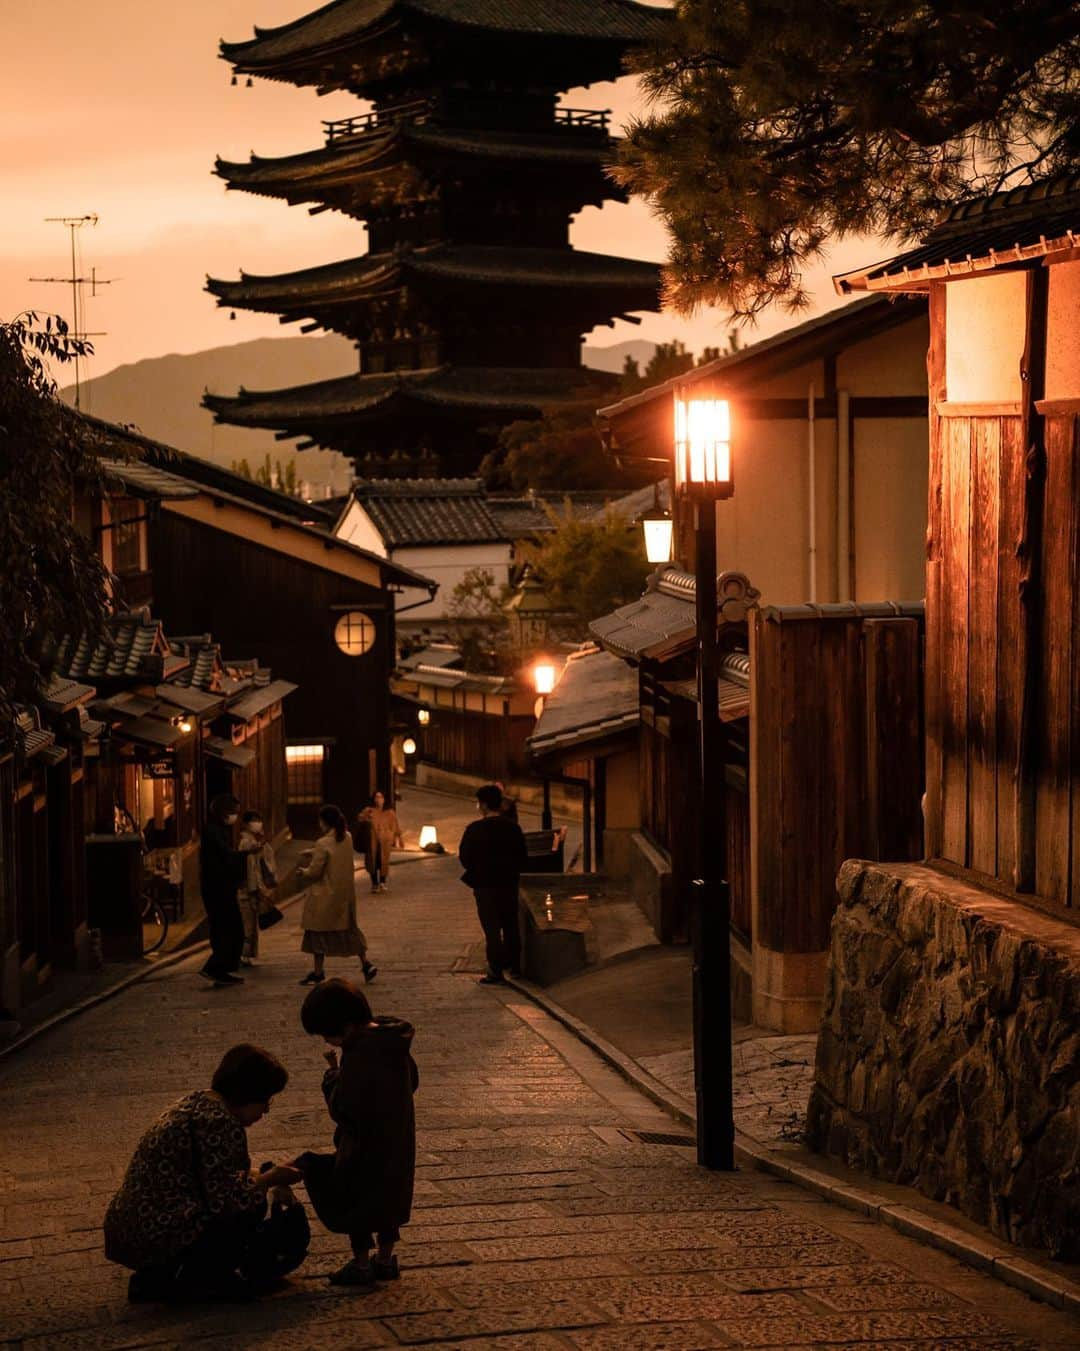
x,y
190,1217
365,1188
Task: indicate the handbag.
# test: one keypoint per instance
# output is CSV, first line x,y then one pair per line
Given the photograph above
x,y
269,915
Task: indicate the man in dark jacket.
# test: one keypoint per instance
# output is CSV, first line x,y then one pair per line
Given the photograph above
x,y
222,868
493,854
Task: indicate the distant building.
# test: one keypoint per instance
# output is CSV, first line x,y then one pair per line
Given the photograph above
x,y
469,308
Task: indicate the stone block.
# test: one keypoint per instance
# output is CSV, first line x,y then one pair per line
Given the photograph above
x,y
949,1050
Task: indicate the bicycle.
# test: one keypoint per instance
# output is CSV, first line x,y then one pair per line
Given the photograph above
x,y
155,922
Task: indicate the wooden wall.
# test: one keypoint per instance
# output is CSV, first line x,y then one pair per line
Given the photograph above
x,y
836,757
1003,619
486,744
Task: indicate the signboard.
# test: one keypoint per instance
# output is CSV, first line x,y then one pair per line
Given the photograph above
x,y
159,769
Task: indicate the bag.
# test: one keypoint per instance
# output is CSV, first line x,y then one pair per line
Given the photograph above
x,y
268,916
269,880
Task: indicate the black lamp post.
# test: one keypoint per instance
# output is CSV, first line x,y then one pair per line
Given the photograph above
x,y
703,476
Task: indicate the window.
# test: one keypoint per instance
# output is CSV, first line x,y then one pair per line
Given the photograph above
x,y
127,528
354,633
304,767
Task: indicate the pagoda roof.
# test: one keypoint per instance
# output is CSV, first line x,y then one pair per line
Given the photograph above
x,y
345,23
343,164
468,390
357,279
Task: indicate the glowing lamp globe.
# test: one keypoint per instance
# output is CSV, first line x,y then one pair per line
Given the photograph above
x,y
703,467
409,746
423,716
544,677
428,835
658,528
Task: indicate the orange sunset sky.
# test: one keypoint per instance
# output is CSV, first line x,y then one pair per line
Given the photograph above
x,y
119,108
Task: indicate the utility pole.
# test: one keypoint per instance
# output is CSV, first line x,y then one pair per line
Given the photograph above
x,y
73,223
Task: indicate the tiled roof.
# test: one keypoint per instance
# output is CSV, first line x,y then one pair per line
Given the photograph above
x,y
345,21
143,479
637,284
1007,227
237,756
135,647
664,620
61,695
506,390
259,699
596,697
429,511
631,506
342,164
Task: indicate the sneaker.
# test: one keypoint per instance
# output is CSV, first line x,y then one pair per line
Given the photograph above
x,y
370,972
385,1271
355,1273
313,978
491,979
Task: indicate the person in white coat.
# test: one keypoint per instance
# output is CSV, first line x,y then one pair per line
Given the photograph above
x,y
329,914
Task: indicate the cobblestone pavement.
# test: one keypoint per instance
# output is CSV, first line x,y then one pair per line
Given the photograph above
x,y
544,1218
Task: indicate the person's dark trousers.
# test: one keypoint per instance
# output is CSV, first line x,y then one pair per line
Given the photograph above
x,y
363,1243
236,1258
497,908
226,934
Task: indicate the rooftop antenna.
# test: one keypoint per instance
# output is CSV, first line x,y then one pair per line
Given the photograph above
x,y
73,223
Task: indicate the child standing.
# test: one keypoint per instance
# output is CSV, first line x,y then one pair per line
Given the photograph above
x,y
259,881
365,1188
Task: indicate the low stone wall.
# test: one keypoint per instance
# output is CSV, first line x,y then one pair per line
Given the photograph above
x,y
949,1051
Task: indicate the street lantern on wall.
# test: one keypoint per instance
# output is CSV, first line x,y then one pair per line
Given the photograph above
x,y
658,528
409,746
423,716
703,459
543,676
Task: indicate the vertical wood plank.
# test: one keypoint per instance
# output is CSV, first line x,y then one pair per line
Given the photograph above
x,y
953,637
982,646
894,744
1071,431
1054,712
1010,639
766,773
802,802
935,370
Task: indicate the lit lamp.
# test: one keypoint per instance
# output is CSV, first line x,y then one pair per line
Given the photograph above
x,y
703,448
658,527
423,716
544,677
409,746
428,835
185,725
703,477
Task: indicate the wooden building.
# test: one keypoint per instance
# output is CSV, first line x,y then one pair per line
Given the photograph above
x,y
830,466
469,308
266,576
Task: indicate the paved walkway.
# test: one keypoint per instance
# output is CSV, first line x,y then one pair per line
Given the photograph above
x,y
548,1213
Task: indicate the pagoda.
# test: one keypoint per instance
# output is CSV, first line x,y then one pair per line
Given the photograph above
x,y
469,307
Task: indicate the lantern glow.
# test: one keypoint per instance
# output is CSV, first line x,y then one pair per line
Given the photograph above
x,y
658,528
544,677
423,716
703,447
428,835
409,746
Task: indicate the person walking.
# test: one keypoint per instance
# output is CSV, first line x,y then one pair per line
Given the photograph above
x,y
259,881
365,1188
329,914
493,854
384,833
190,1217
222,871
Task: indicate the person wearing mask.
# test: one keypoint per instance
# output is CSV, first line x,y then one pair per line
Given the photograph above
x,y
493,854
384,834
329,915
259,881
222,872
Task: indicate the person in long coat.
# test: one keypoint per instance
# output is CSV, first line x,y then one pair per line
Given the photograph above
x,y
384,833
329,914
365,1188
222,869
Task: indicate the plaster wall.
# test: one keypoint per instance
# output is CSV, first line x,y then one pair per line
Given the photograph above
x,y
357,527
447,564
891,478
985,324
1063,332
623,790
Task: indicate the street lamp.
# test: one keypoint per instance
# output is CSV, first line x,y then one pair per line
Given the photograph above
x,y
423,716
658,527
543,676
409,746
703,476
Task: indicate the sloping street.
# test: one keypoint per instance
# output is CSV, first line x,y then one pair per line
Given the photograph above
x,y
552,1210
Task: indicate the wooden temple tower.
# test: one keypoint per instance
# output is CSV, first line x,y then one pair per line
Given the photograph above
x,y
469,307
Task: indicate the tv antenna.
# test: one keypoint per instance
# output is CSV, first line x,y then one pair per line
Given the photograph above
x,y
78,332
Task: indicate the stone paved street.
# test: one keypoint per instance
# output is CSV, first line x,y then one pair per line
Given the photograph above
x,y
544,1219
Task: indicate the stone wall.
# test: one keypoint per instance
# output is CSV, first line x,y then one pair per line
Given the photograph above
x,y
949,1050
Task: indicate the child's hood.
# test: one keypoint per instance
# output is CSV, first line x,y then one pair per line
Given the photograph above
x,y
388,1034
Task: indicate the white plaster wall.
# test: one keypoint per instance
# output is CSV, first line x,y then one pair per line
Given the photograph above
x,y
985,319
447,564
891,475
1063,332
356,527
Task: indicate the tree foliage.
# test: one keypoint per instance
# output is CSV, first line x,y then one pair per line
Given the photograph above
x,y
589,567
281,477
561,451
779,124
671,359
52,581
